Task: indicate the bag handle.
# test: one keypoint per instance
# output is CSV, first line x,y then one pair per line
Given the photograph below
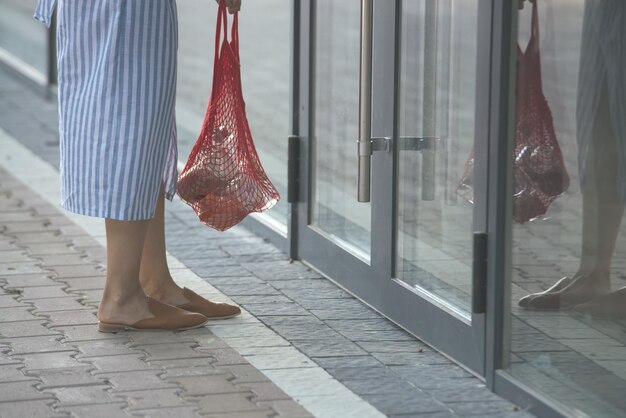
x,y
222,23
534,28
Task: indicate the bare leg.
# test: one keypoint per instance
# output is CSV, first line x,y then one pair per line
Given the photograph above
x,y
157,281
123,300
154,274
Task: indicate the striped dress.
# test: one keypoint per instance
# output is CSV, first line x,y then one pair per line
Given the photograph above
x,y
116,89
603,69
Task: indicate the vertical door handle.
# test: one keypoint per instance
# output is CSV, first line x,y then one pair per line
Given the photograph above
x,y
364,142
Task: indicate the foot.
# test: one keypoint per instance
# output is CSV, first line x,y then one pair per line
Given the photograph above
x,y
163,318
559,285
211,310
126,310
610,306
165,291
565,295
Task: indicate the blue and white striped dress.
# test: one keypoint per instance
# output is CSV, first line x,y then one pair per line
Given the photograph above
x,y
117,86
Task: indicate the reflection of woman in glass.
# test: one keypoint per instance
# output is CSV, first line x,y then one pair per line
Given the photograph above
x,y
601,134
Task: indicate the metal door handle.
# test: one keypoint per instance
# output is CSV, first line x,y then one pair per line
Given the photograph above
x,y
364,142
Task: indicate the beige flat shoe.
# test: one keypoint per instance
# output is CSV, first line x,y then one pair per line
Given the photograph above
x,y
211,310
166,318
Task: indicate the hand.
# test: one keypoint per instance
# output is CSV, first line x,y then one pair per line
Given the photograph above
x,y
233,6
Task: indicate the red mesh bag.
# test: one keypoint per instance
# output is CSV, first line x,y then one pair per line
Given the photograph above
x,y
539,174
223,180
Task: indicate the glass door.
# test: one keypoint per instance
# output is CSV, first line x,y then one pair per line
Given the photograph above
x,y
399,218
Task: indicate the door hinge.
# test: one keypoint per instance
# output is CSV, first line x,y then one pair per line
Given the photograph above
x,y
293,169
479,274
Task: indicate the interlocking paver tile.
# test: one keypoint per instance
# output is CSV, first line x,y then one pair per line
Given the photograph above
x,y
83,395
178,412
226,356
20,313
55,260
64,318
171,351
31,408
38,344
84,270
133,380
120,363
188,362
13,373
109,410
206,385
20,267
24,329
43,292
83,283
19,391
52,248
13,256
242,414
229,402
66,376
143,399
28,280
57,304
85,333
24,238
49,360
107,347
9,301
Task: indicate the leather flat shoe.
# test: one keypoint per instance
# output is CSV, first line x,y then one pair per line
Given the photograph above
x,y
211,310
166,318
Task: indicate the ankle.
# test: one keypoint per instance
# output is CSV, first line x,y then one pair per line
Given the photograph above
x,y
160,289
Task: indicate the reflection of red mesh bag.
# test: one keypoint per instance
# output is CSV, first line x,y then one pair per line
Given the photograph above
x,y
223,180
539,174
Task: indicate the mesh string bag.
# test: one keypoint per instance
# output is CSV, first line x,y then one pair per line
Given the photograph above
x,y
223,180
539,173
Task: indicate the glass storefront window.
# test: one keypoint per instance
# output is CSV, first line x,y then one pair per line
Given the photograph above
x,y
437,103
23,40
567,328
265,44
335,209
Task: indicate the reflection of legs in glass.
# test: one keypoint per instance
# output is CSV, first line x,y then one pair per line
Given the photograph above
x,y
602,215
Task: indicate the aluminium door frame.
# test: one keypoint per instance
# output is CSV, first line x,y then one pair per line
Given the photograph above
x,y
374,284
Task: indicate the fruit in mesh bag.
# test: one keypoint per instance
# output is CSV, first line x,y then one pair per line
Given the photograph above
x,y
209,174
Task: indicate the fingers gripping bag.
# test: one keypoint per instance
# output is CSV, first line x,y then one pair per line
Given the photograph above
x,y
223,180
539,173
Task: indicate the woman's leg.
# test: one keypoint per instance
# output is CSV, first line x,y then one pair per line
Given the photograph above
x,y
123,300
157,281
154,273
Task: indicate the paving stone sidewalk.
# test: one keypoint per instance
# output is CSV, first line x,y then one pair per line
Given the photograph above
x,y
54,362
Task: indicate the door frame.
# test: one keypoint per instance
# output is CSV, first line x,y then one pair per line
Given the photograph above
x,y
374,284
